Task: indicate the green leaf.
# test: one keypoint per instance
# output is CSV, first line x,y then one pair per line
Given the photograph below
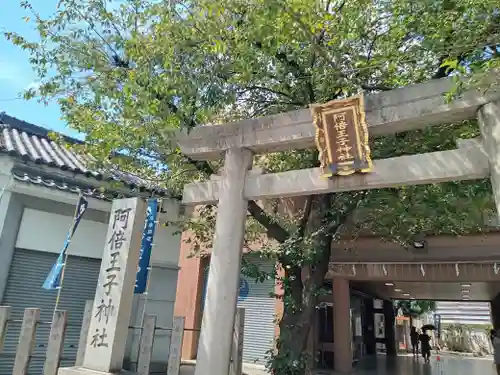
x,y
129,76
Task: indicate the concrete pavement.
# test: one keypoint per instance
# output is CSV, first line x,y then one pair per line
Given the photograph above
x,y
401,365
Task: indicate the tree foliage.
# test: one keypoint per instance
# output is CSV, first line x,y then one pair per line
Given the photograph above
x,y
413,307
128,73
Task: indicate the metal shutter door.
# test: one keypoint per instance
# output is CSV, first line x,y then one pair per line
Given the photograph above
x,y
259,315
24,290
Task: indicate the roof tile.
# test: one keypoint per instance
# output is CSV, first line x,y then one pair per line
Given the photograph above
x,y
32,144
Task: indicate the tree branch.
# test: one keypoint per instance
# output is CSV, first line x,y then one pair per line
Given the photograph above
x,y
305,217
94,29
272,91
376,87
445,71
274,230
339,9
298,72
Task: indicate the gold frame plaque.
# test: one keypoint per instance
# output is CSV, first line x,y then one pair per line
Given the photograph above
x,y
342,136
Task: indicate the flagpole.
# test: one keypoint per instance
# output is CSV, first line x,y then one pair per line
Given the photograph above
x,y
59,288
6,187
150,268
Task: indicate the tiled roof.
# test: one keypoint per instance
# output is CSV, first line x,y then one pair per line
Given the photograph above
x,y
31,178
31,144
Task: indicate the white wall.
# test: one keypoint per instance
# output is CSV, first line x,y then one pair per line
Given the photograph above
x,y
44,231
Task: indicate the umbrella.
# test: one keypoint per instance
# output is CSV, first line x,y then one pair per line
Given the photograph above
x,y
428,327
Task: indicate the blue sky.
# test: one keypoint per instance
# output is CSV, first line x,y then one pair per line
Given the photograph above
x,y
16,73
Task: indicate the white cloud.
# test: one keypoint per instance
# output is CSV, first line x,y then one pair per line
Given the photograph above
x,y
35,85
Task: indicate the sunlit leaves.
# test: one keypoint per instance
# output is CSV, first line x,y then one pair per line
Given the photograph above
x,y
128,73
412,307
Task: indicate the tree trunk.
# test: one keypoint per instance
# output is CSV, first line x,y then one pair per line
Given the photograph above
x,y
303,283
295,325
291,357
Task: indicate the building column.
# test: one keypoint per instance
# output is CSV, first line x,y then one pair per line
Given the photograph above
x,y
390,334
214,347
342,336
495,311
11,212
188,301
369,328
489,124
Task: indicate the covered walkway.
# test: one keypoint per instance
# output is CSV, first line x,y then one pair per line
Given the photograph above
x,y
406,365
401,365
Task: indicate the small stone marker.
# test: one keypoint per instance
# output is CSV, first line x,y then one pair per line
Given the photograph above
x,y
146,345
27,338
108,329
4,318
56,341
84,332
174,357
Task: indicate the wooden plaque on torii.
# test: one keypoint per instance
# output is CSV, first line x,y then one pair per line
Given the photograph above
x,y
342,136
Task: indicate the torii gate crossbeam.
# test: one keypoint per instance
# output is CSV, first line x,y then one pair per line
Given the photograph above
x,y
390,112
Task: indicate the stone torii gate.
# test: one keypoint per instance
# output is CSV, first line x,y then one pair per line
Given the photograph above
x,y
403,109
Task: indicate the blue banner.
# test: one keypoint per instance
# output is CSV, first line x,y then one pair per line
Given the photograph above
x,y
437,324
53,280
244,289
141,279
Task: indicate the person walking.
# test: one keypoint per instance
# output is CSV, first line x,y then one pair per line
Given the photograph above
x,y
425,339
414,340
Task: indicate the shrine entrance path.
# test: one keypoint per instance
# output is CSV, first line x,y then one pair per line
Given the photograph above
x,y
407,365
401,365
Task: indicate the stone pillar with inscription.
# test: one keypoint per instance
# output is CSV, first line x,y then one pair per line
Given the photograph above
x,y
112,308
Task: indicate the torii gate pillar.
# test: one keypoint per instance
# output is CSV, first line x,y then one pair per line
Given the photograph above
x,y
489,124
214,348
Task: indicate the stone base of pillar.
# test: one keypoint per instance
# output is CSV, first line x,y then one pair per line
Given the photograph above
x,y
86,371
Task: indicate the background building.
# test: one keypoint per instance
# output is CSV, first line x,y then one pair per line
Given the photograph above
x,y
453,312
39,186
371,318
376,273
